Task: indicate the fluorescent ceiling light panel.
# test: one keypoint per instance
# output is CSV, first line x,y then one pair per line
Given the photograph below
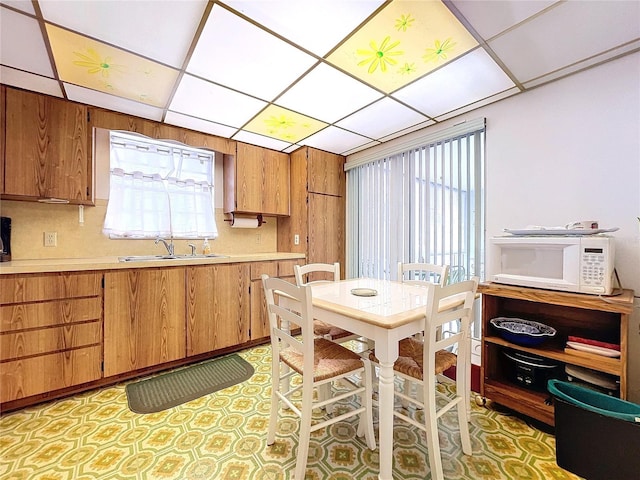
x,y
327,94
199,125
255,62
489,18
467,80
21,44
381,118
160,30
112,102
335,140
29,81
403,42
314,25
261,140
24,5
288,126
208,101
537,47
107,69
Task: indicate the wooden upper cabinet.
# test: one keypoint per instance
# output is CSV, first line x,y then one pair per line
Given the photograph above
x,y
46,148
3,96
325,173
256,181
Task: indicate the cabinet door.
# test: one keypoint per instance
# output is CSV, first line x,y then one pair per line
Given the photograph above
x,y
218,307
144,318
326,173
259,317
275,195
3,96
326,229
249,178
46,148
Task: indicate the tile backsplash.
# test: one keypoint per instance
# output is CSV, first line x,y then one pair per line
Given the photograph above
x,y
30,220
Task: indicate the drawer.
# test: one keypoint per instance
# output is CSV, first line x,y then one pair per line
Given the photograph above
x,y
34,288
285,267
59,312
49,340
46,373
258,268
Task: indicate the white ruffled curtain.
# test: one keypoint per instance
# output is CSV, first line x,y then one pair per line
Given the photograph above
x,y
159,189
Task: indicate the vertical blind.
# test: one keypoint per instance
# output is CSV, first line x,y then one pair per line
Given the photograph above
x,y
423,204
159,188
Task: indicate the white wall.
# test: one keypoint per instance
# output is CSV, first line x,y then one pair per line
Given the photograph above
x,y
566,151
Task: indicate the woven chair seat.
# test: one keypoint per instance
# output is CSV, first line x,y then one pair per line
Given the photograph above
x,y
410,359
322,329
330,360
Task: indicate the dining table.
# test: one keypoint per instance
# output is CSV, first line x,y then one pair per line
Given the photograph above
x,y
384,312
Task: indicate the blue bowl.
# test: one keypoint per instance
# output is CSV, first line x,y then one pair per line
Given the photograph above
x,y
522,332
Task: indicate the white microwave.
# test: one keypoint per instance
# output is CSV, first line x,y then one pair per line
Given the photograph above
x,y
581,264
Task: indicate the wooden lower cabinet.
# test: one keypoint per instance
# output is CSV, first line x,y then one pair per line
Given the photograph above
x,y
50,333
259,317
144,322
218,307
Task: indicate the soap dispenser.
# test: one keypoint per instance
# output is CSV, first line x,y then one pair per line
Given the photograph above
x,y
206,248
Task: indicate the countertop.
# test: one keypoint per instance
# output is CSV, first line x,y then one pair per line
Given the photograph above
x,y
112,263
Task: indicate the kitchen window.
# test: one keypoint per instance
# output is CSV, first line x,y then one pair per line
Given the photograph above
x,y
159,188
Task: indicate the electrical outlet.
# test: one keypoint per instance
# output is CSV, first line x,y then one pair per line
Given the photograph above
x,y
296,239
50,239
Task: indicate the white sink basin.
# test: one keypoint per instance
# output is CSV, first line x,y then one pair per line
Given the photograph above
x,y
148,258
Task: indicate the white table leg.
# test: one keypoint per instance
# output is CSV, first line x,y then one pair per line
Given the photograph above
x,y
385,416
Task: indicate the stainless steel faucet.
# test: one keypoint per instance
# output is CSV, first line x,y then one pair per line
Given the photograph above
x,y
168,246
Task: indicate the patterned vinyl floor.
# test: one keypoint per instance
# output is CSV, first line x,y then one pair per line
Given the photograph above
x,y
222,436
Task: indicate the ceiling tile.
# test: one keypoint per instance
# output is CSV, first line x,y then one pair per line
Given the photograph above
x,y
208,101
335,140
464,81
491,17
112,102
29,81
160,30
327,94
480,103
199,125
288,126
21,43
24,5
360,148
414,128
543,45
253,54
381,118
261,140
403,42
95,65
314,26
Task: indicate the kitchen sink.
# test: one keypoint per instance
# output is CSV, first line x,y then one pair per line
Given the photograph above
x,y
148,258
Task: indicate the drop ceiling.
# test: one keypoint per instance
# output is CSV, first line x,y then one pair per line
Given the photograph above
x,y
338,75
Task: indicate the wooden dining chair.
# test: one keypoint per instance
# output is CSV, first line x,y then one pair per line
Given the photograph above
x,y
321,273
422,362
319,361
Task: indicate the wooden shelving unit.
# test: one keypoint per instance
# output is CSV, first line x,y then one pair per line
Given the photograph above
x,y
588,316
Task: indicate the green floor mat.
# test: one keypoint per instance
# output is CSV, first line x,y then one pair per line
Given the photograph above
x,y
180,386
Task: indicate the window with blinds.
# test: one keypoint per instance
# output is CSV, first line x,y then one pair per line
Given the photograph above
x,y
423,203
159,188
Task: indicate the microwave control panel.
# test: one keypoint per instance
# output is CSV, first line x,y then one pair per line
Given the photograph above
x,y
593,266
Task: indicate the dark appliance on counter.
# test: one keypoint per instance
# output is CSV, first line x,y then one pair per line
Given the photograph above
x,y
531,371
5,239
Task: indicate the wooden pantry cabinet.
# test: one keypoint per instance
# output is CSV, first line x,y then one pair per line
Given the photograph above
x,y
256,181
317,220
50,332
46,149
581,315
144,318
218,307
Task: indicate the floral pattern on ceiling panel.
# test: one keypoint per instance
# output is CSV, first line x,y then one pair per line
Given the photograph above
x,y
283,124
404,42
98,66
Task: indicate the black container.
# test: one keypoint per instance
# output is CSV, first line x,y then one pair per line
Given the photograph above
x,y
5,236
531,371
597,436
